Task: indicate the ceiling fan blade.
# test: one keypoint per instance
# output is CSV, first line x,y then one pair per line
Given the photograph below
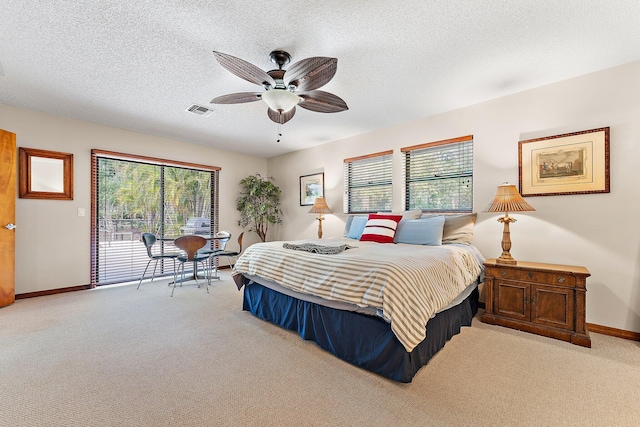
x,y
311,73
237,98
322,102
281,118
244,69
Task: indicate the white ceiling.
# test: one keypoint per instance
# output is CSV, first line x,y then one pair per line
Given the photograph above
x,y
139,65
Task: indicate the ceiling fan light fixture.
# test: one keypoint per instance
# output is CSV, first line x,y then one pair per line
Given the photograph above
x,y
285,89
280,99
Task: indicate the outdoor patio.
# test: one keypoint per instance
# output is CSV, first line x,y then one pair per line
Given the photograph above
x,y
125,260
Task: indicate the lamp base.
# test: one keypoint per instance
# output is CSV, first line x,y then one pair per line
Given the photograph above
x,y
320,218
506,260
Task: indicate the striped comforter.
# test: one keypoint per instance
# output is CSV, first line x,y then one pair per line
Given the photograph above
x,y
408,284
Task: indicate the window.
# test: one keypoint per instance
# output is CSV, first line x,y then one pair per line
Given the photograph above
x,y
132,195
367,183
439,175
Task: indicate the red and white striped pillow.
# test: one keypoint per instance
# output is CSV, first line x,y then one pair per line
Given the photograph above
x,y
380,228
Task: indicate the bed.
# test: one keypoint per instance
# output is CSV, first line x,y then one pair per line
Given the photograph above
x,y
387,308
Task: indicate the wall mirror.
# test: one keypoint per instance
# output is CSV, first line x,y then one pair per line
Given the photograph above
x,y
45,174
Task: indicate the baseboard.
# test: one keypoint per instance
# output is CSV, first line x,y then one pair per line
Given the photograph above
x,y
614,332
52,291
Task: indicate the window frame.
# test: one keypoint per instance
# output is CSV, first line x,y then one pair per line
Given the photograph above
x,y
97,154
386,181
463,143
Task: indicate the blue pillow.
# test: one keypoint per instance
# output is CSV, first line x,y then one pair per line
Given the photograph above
x,y
357,227
426,231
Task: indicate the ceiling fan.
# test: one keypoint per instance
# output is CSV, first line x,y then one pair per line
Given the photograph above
x,y
284,89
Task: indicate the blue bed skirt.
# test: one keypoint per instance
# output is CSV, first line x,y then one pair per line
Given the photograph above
x,y
362,340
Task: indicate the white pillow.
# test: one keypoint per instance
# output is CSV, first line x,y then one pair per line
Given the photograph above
x,y
458,228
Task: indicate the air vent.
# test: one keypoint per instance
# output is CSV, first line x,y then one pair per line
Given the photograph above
x,y
199,110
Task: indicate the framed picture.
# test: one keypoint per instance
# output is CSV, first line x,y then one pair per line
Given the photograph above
x,y
573,163
311,187
45,174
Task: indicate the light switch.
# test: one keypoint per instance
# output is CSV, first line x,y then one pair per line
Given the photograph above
x,y
80,211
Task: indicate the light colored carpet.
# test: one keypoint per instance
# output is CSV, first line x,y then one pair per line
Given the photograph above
x,y
118,356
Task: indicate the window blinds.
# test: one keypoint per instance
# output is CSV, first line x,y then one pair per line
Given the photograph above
x,y
132,195
368,186
439,176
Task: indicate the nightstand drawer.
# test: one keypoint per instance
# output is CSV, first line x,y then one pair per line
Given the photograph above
x,y
530,276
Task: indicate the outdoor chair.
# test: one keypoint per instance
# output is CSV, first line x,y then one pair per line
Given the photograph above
x,y
149,239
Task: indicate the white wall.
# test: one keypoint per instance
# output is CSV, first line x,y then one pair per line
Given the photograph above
x,y
598,231
52,241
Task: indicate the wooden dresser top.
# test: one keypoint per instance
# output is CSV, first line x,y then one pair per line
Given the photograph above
x,y
570,269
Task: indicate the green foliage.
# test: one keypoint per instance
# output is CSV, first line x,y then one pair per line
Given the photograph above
x,y
259,204
130,196
440,178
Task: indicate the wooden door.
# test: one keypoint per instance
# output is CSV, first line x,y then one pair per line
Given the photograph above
x,y
7,217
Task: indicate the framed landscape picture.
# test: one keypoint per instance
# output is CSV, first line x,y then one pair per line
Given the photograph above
x,y
311,187
572,163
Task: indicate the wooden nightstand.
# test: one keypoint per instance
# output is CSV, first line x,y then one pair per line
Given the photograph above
x,y
545,299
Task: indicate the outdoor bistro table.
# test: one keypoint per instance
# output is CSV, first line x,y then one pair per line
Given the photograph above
x,y
210,237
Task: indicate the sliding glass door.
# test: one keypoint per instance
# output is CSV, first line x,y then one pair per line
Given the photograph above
x,y
134,195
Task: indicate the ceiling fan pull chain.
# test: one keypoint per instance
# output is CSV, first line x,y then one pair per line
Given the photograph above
x,y
279,132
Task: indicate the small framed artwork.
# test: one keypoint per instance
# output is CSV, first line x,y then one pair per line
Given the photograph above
x,y
311,187
572,163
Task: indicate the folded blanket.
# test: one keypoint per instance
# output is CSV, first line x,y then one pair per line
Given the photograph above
x,y
317,249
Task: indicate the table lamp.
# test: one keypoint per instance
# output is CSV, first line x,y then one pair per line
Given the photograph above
x,y
507,199
320,207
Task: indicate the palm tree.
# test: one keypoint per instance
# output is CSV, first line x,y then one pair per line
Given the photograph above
x,y
187,193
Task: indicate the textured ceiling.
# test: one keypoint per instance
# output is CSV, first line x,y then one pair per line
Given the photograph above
x,y
139,65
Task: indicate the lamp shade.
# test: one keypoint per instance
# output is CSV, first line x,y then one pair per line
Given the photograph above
x,y
280,99
507,199
320,206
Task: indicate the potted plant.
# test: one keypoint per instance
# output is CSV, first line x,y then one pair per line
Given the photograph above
x,y
259,204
